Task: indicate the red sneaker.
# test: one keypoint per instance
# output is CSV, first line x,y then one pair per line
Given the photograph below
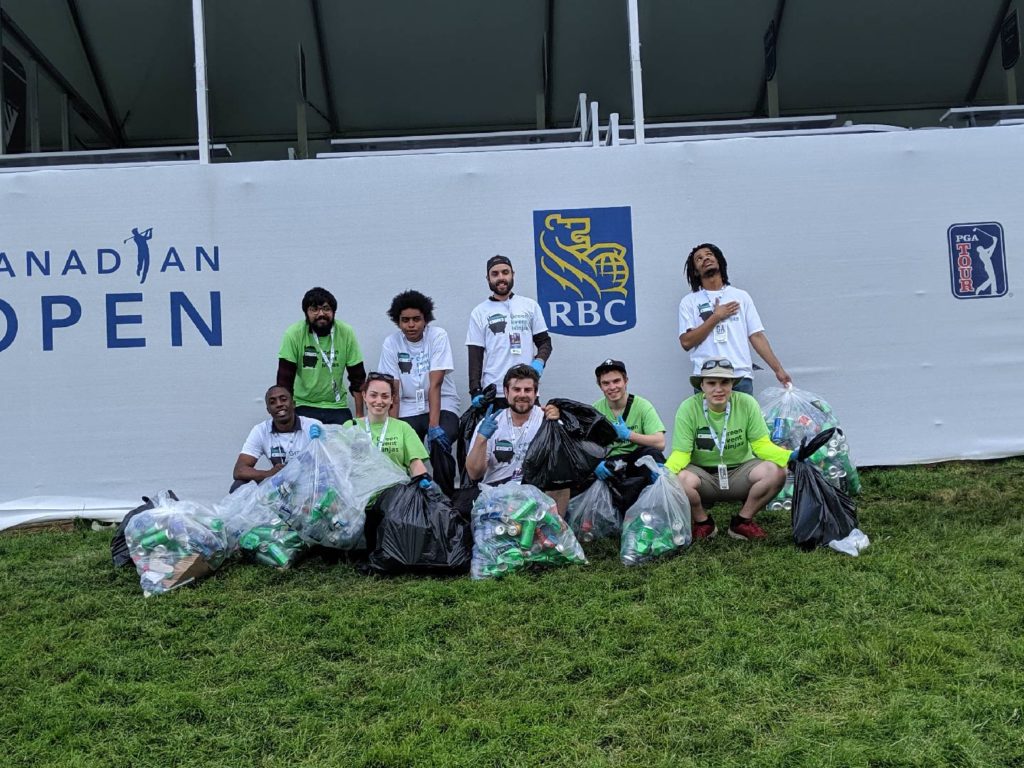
x,y
741,528
705,529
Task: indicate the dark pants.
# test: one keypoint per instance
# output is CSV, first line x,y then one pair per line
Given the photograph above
x,y
449,422
325,415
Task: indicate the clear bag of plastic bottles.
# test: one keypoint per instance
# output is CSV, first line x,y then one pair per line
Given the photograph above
x,y
175,543
518,525
793,416
255,532
658,523
591,515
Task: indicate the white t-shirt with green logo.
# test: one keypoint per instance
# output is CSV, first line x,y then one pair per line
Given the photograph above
x,y
412,362
505,329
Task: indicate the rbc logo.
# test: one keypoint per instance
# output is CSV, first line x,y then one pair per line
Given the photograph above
x,y
585,270
977,260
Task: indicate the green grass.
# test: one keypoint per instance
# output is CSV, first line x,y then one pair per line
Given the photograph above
x,y
732,654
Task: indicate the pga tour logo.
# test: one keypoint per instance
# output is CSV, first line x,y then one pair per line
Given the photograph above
x,y
977,260
585,270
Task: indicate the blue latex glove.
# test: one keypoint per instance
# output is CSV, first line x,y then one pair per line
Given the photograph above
x,y
478,401
490,423
437,434
655,474
602,471
314,431
425,483
538,366
794,456
621,430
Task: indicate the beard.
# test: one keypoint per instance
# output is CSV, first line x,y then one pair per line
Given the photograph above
x,y
321,326
505,290
710,272
521,406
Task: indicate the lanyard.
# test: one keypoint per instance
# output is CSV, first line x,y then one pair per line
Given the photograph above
x,y
328,360
720,445
383,431
517,439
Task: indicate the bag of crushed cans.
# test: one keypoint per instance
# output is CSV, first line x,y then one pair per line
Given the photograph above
x,y
591,515
322,491
175,543
518,525
255,532
794,416
658,523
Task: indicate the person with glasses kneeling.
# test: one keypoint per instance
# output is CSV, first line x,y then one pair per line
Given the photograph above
x,y
718,432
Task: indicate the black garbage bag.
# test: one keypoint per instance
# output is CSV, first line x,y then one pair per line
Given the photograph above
x,y
118,546
565,452
442,466
419,533
467,426
821,512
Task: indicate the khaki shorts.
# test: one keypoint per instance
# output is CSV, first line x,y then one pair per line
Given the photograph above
x,y
739,482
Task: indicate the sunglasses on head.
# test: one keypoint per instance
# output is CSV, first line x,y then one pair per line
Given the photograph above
x,y
709,364
378,376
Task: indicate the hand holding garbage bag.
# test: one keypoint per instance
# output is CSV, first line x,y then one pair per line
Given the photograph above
x,y
567,450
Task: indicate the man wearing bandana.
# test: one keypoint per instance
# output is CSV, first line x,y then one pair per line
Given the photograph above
x,y
718,320
505,330
315,355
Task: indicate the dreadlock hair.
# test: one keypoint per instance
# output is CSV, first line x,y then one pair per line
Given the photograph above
x,y
693,278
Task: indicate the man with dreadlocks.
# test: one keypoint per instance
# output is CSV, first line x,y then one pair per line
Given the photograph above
x,y
718,320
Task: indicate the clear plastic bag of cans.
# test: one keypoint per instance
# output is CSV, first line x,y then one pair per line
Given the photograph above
x,y
793,416
255,532
313,495
515,526
175,543
658,524
367,470
591,515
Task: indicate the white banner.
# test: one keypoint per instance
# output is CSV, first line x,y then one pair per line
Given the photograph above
x,y
124,375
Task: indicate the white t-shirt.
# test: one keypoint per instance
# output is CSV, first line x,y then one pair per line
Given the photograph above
x,y
279,447
735,347
505,329
507,447
411,363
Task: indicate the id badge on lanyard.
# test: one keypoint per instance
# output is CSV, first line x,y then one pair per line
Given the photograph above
x,y
723,470
721,333
329,364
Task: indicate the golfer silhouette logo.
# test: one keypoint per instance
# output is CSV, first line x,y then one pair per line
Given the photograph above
x,y
977,260
141,240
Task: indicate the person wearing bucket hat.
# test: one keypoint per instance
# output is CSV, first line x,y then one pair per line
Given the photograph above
x,y
504,330
639,429
721,451
718,320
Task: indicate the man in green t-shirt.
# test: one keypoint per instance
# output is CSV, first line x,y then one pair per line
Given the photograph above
x,y
315,355
640,431
717,434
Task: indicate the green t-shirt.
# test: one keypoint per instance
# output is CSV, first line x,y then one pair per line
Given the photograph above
x,y
401,444
642,419
692,435
312,377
